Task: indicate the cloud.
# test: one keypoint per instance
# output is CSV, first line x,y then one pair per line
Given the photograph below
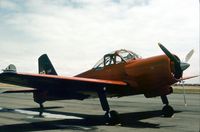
x,y
76,33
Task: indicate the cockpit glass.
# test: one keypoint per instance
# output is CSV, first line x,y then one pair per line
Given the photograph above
x,y
127,55
116,57
99,64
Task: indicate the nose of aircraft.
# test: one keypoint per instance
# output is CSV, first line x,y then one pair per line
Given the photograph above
x,y
184,66
179,66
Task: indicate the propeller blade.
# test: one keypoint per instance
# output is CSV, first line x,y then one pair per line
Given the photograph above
x,y
189,55
177,64
184,94
169,54
189,77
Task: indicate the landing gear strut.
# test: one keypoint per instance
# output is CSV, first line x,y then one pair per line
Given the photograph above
x,y
112,117
167,110
41,110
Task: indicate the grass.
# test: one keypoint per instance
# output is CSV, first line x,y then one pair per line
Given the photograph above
x,y
188,89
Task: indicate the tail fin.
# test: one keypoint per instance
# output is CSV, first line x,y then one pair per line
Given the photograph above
x,y
45,65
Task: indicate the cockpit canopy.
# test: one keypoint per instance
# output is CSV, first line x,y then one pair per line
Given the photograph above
x,y
116,57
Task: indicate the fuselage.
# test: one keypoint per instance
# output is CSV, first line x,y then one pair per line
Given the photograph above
x,y
148,75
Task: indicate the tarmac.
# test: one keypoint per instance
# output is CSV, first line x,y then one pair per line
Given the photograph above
x,y
18,112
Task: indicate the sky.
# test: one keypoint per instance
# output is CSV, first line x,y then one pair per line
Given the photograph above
x,y
77,33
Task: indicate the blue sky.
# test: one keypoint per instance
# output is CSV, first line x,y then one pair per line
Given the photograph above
x,y
76,33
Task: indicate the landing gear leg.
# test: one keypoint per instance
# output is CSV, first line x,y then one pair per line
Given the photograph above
x,y
112,117
167,110
41,110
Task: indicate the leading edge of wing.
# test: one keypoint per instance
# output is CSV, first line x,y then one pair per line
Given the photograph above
x,y
25,90
80,79
101,81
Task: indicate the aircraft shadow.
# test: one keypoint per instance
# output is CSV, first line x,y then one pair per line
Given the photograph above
x,y
89,122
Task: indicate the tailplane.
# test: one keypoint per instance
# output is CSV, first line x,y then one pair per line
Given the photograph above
x,y
45,65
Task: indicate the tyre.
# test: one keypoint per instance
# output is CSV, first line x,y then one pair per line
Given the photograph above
x,y
167,111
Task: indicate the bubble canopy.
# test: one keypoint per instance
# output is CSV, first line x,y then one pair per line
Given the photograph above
x,y
116,57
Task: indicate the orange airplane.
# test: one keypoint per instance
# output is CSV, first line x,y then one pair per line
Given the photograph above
x,y
117,74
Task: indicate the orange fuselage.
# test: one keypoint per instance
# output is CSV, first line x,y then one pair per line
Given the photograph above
x,y
151,76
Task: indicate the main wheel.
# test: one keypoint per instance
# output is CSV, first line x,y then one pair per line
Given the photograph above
x,y
167,111
112,118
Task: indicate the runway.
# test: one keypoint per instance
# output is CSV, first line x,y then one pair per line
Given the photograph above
x,y
18,112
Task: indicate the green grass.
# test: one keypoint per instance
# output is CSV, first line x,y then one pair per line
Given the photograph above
x,y
188,89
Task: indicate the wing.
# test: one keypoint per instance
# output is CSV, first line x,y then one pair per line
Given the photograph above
x,y
60,83
24,90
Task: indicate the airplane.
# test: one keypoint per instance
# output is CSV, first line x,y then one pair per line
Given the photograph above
x,y
117,74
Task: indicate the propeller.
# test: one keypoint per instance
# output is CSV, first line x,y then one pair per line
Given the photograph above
x,y
183,86
178,65
187,58
189,55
